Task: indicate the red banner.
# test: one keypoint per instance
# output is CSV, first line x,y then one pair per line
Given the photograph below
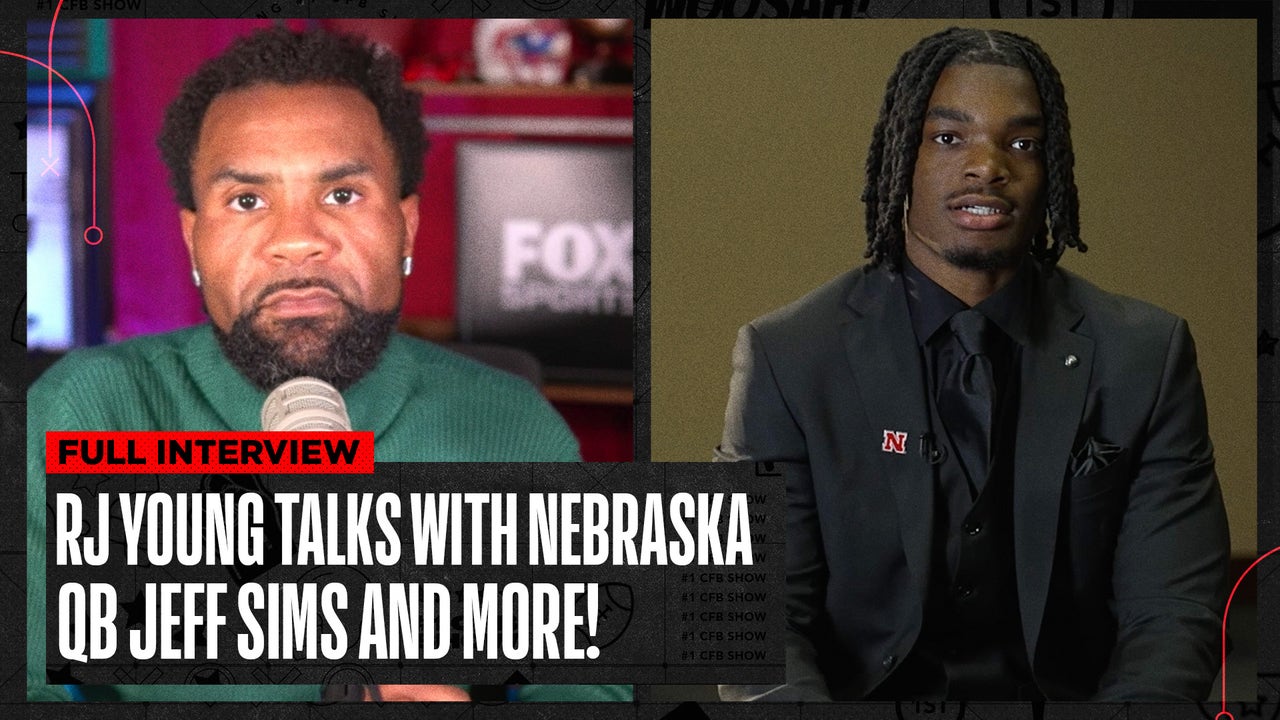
x,y
208,452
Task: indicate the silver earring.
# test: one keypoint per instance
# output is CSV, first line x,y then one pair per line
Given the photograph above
x,y
195,277
408,266
906,205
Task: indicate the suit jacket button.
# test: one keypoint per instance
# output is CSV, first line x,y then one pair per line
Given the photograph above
x,y
972,528
888,662
963,592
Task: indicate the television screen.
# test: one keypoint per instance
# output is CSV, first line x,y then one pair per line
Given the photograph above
x,y
544,254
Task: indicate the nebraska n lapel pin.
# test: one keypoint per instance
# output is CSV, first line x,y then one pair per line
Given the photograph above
x,y
895,441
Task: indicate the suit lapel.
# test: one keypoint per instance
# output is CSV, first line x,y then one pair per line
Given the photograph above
x,y
881,350
1053,390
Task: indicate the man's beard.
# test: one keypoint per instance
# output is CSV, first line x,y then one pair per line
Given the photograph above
x,y
339,352
971,259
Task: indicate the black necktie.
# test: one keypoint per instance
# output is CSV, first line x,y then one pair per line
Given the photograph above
x,y
966,395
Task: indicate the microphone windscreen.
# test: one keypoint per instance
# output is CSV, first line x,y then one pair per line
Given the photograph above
x,y
305,403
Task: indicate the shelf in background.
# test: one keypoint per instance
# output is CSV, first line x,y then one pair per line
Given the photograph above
x,y
434,89
443,330
621,395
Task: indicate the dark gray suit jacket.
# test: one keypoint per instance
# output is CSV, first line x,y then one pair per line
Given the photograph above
x,y
1121,563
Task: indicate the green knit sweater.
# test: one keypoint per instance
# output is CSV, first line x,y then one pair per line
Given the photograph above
x,y
423,403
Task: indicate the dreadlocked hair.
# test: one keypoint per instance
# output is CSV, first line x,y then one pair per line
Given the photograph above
x,y
277,55
895,142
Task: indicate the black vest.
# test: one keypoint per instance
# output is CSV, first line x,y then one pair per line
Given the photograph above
x,y
971,644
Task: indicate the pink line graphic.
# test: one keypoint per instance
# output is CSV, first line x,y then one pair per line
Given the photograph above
x,y
92,234
1224,715
49,76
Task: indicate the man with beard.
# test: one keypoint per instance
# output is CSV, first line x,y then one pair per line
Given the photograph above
x,y
296,160
1000,484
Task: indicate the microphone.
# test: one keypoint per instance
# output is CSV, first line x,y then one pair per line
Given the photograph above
x,y
305,403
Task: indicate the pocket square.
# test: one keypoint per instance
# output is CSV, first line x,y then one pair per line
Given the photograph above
x,y
1092,456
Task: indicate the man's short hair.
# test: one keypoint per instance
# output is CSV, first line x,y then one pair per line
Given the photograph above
x,y
895,143
277,55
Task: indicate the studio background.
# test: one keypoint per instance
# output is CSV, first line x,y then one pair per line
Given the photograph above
x,y
759,141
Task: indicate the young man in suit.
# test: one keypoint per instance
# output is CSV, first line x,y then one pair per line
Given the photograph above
x,y
1000,482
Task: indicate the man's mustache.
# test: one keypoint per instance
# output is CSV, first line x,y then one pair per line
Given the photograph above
x,y
301,283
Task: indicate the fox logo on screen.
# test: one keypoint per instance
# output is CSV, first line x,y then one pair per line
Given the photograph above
x,y
567,267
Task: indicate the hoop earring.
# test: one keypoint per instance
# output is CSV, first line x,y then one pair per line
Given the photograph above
x,y
407,266
195,277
